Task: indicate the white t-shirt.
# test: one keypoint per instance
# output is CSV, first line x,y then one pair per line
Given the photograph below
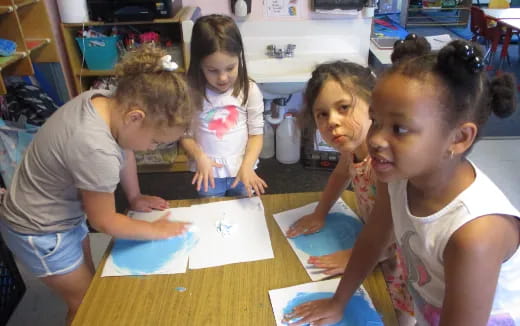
x,y
423,239
224,127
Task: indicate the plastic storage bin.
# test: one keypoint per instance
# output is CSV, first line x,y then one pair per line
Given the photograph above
x,y
100,53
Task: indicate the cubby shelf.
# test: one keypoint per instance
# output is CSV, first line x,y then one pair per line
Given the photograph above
x,y
172,27
435,16
26,23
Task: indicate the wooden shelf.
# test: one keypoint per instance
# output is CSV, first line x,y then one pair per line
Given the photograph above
x,y
6,61
6,9
20,4
179,165
35,44
26,23
185,13
170,27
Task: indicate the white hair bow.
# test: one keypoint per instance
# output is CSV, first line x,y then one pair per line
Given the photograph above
x,y
168,64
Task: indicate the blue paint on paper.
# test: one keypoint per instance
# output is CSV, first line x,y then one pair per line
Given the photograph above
x,y
339,233
148,257
358,311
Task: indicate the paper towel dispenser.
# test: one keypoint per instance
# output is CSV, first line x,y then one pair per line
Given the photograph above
x,y
338,4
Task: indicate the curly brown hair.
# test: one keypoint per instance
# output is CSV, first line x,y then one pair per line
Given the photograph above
x,y
163,95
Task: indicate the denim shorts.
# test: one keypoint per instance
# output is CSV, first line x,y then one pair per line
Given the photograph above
x,y
47,254
223,188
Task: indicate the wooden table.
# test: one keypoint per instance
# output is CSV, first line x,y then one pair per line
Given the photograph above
x,y
228,295
506,13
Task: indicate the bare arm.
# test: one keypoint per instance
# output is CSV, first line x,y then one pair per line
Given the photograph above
x,y
335,186
472,261
129,180
373,239
247,174
101,213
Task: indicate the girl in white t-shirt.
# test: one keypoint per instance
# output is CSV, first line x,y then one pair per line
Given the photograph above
x,y
227,138
457,232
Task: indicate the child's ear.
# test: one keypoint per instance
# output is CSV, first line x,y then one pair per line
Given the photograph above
x,y
464,137
135,115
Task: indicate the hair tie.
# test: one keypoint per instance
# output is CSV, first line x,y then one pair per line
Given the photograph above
x,y
473,62
411,37
168,64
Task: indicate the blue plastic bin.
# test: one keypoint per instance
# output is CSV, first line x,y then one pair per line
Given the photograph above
x,y
100,52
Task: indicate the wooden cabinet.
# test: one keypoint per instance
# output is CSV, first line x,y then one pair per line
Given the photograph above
x,y
26,23
430,14
177,28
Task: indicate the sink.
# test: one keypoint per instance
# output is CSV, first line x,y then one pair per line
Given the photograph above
x,y
316,41
281,77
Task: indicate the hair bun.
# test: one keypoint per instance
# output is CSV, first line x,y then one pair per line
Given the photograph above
x,y
412,46
459,58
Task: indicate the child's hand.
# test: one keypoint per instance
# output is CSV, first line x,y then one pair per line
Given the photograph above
x,y
145,203
316,313
332,264
308,224
166,229
204,173
251,182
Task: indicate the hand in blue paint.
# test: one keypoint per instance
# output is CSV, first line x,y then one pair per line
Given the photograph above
x,y
332,264
317,313
308,224
164,228
145,203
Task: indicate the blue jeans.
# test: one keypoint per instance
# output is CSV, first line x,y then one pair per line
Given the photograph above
x,y
223,188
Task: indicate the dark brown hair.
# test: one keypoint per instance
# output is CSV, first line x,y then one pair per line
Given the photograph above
x,y
465,91
211,34
353,78
163,95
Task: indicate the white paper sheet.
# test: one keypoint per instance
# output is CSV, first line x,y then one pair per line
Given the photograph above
x,y
247,239
168,256
359,311
437,42
287,218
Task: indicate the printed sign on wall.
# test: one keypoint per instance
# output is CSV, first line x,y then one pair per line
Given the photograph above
x,y
281,8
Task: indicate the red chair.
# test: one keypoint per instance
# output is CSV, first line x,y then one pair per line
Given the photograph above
x,y
482,32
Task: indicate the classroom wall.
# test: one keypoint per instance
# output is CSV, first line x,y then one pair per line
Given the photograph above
x,y
54,18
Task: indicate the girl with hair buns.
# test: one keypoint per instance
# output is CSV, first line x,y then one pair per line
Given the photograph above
x,y
72,167
457,232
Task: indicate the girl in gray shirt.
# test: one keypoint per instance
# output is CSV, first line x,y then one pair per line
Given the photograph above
x,y
73,165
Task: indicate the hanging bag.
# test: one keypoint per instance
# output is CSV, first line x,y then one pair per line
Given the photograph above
x,y
15,138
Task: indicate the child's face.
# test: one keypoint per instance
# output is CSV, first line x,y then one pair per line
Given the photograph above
x,y
220,70
137,136
407,138
342,120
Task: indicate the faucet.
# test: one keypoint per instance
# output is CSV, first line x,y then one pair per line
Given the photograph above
x,y
280,53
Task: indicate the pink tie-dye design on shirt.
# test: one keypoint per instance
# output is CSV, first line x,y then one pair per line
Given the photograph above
x,y
221,119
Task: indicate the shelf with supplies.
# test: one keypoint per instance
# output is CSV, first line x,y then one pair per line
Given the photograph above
x,y
158,161
438,13
171,29
26,23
